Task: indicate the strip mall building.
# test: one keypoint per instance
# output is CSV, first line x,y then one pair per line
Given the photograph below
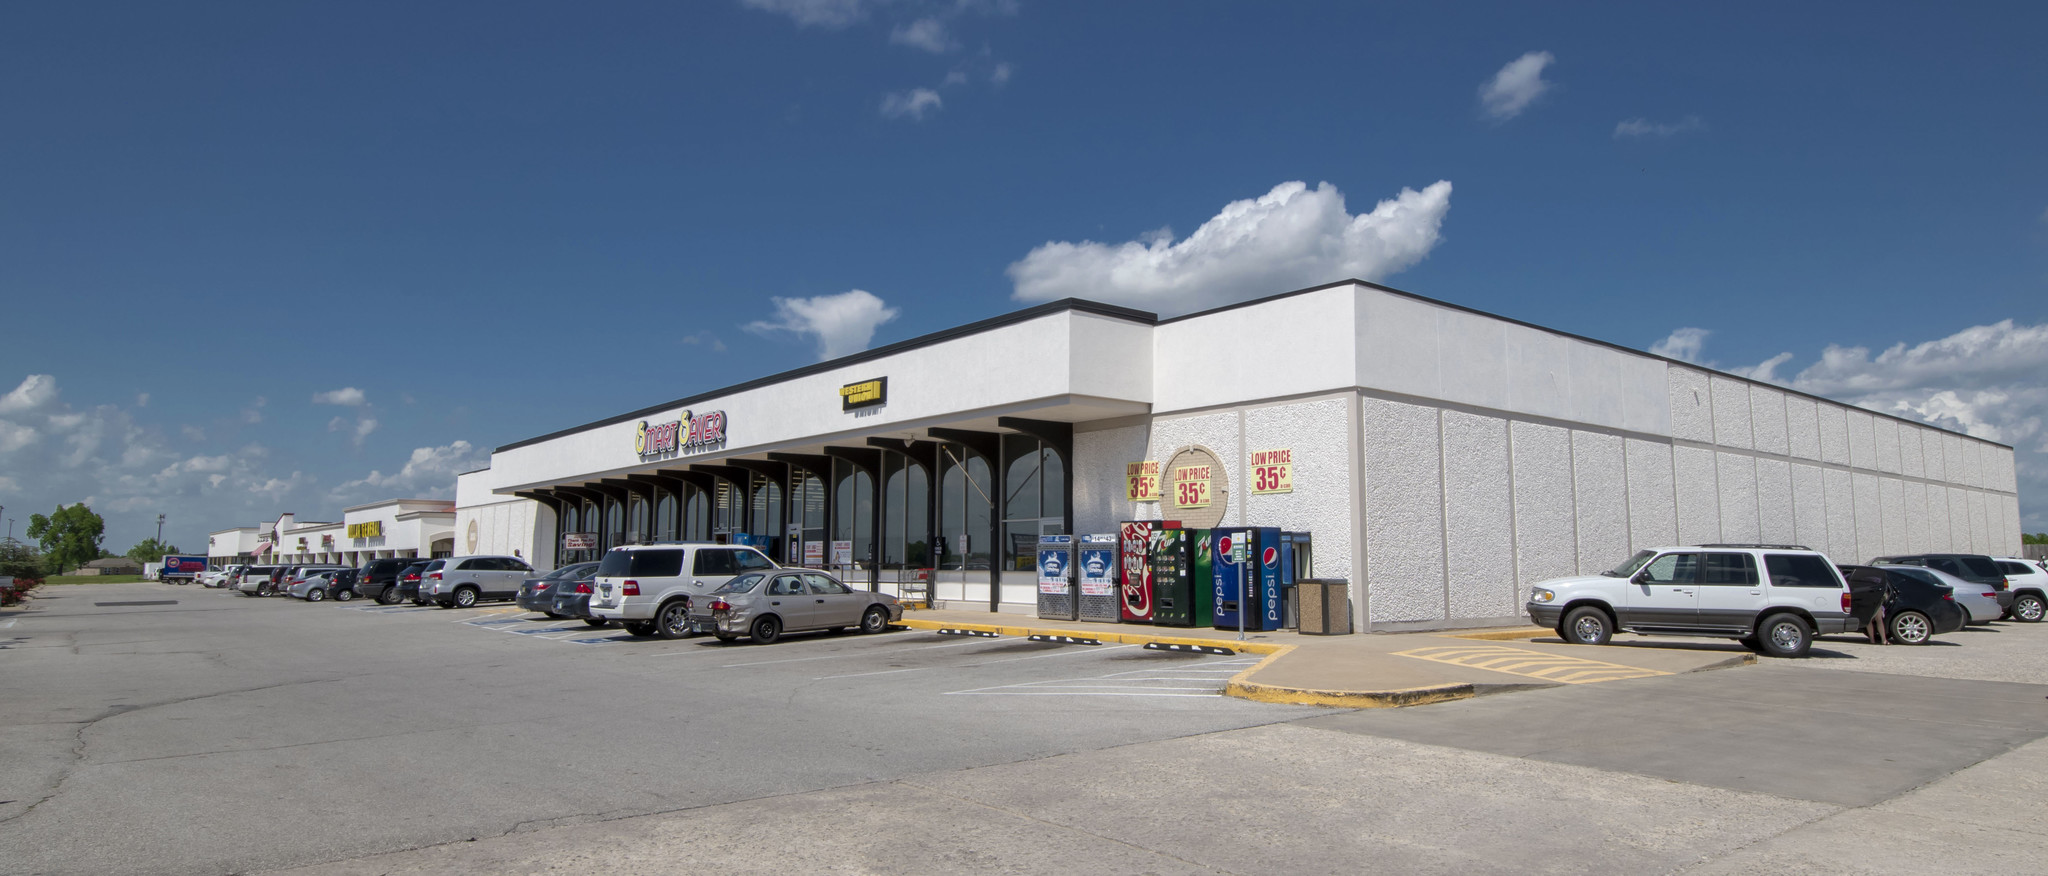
x,y
1443,459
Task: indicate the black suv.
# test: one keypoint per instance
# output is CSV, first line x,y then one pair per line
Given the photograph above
x,y
1974,568
378,578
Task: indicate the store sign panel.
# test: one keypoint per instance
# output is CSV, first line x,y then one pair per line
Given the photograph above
x,y
1273,471
1191,486
1141,481
372,529
687,433
865,394
579,541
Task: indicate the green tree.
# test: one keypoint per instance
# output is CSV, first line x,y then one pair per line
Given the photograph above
x,y
149,550
2034,538
70,536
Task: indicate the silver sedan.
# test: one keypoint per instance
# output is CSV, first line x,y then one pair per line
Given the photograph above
x,y
764,605
1978,601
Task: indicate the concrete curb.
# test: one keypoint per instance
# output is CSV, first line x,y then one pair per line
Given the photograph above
x,y
1101,636
1502,635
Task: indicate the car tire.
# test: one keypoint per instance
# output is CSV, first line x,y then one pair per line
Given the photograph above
x,y
1912,628
1785,635
876,620
315,595
727,637
672,620
344,595
766,630
595,622
553,616
465,597
1587,625
1752,643
2029,608
388,596
640,628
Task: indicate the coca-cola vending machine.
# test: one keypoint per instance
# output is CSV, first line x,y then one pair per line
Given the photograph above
x,y
1136,540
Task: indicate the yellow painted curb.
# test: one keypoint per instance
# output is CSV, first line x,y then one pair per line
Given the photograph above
x,y
1355,699
1099,635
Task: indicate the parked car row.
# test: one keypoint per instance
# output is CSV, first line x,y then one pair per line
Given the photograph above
x,y
1776,598
670,590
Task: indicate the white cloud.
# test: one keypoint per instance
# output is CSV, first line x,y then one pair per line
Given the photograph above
x,y
14,436
1512,89
254,412
954,79
829,14
193,433
929,34
429,472
347,396
706,339
1001,74
914,103
364,427
842,323
1640,127
35,391
142,401
1682,344
1292,237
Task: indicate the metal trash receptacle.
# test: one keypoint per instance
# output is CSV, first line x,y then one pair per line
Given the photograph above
x,y
1325,606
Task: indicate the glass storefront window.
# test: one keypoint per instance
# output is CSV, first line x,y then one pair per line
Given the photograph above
x,y
636,520
665,515
1034,503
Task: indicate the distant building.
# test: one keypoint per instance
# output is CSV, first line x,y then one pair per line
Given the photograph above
x,y
112,566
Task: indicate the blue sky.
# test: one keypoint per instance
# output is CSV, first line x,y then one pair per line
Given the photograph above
x,y
258,257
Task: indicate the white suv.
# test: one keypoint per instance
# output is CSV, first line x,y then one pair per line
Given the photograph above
x,y
649,587
1774,598
2028,581
460,582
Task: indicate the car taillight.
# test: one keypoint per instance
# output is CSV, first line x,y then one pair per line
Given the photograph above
x,y
1845,602
583,587
434,575
720,605
1993,595
1950,596
630,588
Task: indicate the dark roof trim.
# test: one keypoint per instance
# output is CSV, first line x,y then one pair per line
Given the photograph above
x,y
994,322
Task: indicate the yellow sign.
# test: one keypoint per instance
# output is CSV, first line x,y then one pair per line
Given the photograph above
x,y
864,394
372,529
1141,481
1273,471
1191,486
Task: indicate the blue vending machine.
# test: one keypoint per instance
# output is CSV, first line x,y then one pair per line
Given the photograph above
x,y
1256,585
1227,577
1271,549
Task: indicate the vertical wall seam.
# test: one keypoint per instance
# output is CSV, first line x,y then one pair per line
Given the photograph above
x,y
1571,448
1361,588
1628,502
1443,508
1514,518
1244,469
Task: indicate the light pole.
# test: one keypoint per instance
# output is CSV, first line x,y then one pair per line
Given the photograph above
x,y
159,530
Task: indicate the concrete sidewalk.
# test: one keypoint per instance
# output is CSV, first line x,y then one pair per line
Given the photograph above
x,y
1378,670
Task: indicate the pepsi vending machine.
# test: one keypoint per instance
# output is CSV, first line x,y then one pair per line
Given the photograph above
x,y
1257,588
1226,581
1056,578
1135,541
1095,565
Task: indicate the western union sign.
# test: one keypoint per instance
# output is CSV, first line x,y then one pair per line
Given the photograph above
x,y
865,394
372,529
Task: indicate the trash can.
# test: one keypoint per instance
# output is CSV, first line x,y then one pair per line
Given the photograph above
x,y
1325,606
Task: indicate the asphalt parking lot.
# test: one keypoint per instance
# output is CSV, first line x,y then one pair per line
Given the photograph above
x,y
151,729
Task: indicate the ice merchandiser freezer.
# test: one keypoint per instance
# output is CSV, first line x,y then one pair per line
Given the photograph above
x,y
1134,568
1056,578
1095,565
1173,578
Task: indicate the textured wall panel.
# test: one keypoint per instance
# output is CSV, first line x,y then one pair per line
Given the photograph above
x,y
1934,453
2009,507
1912,459
1916,518
1952,446
1869,516
1737,475
1699,501
1887,432
1318,432
1841,543
1098,471
1891,496
1545,544
1692,404
1809,507
1404,561
1938,530
1218,432
1980,523
1602,486
1479,517
1775,514
1732,427
1973,464
1834,433
2007,478
1958,520
1862,440
1652,506
1802,426
1767,412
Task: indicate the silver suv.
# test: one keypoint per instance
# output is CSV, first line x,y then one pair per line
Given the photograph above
x,y
460,582
1773,598
648,587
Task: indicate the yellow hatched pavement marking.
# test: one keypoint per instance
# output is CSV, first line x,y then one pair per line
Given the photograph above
x,y
1534,664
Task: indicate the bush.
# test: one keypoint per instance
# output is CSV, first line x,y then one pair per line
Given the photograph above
x,y
22,561
17,592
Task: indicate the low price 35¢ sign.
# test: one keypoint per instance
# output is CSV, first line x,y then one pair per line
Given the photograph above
x,y
1273,471
1141,481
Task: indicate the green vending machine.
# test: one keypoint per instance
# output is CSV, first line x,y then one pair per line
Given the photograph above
x,y
1204,565
1173,579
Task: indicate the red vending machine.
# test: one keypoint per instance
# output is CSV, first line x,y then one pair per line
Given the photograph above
x,y
1135,542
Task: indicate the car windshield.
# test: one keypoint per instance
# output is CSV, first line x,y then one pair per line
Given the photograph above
x,y
741,584
1630,566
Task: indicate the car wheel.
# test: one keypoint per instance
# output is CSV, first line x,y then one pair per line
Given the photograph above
x,y
640,628
465,597
1912,628
389,596
875,621
2029,608
553,616
767,630
1785,635
595,622
315,595
673,620
726,637
1752,643
344,595
1587,625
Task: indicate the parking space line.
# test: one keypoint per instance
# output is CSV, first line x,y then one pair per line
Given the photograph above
x,y
1055,654
865,674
